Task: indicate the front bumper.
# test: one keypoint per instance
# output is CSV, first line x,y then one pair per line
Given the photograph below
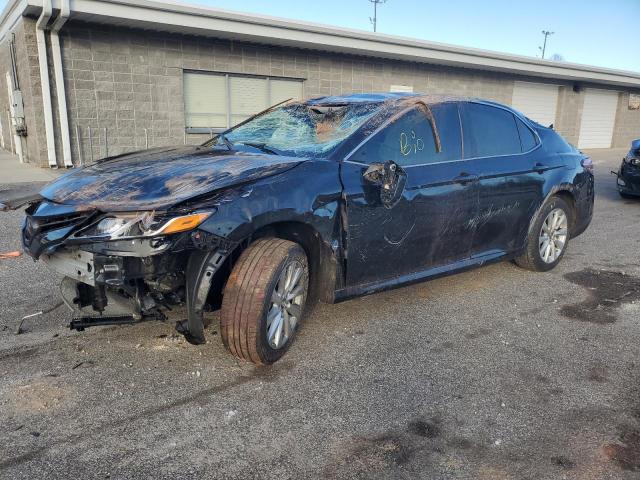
x,y
120,282
628,177
130,279
628,181
96,285
107,290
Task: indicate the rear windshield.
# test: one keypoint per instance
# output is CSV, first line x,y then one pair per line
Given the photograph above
x,y
302,130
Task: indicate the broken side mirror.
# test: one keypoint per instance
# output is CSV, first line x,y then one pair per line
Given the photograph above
x,y
389,179
374,174
381,174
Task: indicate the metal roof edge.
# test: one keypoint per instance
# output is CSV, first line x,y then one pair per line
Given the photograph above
x,y
10,15
175,16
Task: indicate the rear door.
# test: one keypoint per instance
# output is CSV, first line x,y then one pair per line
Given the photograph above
x,y
511,177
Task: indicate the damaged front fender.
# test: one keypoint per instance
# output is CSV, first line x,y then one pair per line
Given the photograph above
x,y
201,269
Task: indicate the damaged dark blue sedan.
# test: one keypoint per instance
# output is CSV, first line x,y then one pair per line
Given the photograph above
x,y
327,199
629,172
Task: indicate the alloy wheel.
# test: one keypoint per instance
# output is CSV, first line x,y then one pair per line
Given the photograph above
x,y
553,235
286,305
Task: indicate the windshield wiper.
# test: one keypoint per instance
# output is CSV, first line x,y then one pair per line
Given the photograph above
x,y
264,147
228,143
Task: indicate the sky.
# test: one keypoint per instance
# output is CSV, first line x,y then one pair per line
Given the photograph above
x,y
604,33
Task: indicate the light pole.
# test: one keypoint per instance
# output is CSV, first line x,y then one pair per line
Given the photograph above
x,y
546,33
374,20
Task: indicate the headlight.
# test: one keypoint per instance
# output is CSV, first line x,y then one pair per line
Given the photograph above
x,y
632,160
140,225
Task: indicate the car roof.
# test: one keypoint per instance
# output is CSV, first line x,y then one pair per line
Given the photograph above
x,y
393,100
389,98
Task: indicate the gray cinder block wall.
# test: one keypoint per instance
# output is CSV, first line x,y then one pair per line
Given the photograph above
x,y
130,80
34,145
627,126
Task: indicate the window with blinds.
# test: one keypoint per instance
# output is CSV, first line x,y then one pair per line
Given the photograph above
x,y
221,100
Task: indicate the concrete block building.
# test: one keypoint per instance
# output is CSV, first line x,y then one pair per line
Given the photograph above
x,y
83,79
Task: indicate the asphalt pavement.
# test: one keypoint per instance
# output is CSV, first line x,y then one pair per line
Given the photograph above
x,y
497,373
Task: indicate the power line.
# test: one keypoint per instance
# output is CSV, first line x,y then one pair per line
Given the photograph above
x,y
374,19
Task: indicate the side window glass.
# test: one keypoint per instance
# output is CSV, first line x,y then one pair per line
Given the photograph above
x,y
448,125
489,131
407,141
527,138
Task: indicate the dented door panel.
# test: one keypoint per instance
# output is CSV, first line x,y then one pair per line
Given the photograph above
x,y
375,233
427,228
445,199
509,193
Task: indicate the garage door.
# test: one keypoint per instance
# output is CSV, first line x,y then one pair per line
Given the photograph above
x,y
598,118
538,101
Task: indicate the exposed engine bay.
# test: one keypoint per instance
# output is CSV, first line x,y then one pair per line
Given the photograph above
x,y
129,267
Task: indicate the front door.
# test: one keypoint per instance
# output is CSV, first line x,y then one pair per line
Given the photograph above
x,y
408,206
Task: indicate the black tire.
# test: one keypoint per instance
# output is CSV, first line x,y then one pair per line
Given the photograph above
x,y
247,299
531,259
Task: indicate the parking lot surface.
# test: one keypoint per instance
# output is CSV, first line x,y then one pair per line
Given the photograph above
x,y
497,373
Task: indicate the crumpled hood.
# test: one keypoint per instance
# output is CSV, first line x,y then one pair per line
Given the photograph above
x,y
159,178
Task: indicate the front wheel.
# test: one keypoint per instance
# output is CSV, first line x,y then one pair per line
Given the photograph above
x,y
264,300
548,237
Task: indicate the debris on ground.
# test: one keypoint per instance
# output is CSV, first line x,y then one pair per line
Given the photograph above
x,y
84,362
6,255
21,330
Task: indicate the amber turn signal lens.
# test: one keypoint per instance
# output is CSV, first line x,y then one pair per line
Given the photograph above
x,y
182,224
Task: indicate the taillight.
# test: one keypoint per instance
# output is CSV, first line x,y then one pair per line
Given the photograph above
x,y
587,164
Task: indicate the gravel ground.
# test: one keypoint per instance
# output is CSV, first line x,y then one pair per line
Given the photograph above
x,y
497,373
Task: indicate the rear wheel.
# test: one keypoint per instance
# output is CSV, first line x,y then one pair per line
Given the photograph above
x,y
264,300
548,238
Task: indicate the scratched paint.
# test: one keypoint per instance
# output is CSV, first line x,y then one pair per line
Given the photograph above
x,y
487,215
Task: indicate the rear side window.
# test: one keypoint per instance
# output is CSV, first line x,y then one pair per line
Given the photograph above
x,y
448,125
407,141
527,138
489,131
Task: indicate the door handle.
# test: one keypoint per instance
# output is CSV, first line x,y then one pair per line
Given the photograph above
x,y
465,178
540,168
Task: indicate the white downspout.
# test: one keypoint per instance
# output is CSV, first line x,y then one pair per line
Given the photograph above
x,y
44,81
17,141
61,93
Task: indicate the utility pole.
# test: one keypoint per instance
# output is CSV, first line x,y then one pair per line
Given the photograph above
x,y
374,20
546,33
